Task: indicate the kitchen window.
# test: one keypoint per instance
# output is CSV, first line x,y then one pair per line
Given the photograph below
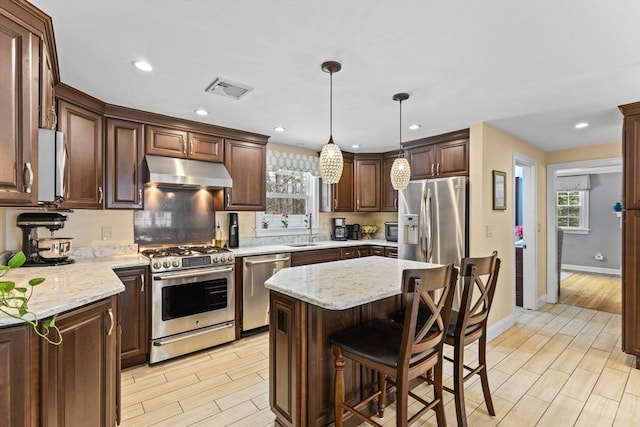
x,y
573,211
292,199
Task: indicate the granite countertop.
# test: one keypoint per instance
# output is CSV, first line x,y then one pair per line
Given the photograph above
x,y
340,285
327,244
70,286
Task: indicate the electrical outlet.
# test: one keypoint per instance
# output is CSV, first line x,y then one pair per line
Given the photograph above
x,y
488,230
106,233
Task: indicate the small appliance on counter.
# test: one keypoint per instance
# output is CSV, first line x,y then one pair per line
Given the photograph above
x,y
354,232
234,238
338,229
47,250
391,231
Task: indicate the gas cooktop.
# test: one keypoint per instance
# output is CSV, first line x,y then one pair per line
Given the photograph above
x,y
186,257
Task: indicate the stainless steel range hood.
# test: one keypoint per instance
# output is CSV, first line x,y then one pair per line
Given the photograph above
x,y
186,173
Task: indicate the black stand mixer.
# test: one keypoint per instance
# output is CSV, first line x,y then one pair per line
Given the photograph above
x,y
43,251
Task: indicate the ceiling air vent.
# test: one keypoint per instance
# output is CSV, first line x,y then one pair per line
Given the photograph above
x,y
228,88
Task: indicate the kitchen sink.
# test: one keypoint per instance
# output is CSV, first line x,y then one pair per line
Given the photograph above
x,y
301,245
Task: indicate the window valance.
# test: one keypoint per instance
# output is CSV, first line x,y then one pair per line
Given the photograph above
x,y
573,183
292,161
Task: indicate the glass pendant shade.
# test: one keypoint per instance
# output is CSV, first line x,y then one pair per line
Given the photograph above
x,y
400,173
331,163
400,169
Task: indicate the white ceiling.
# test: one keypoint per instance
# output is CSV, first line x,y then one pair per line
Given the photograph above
x,y
531,68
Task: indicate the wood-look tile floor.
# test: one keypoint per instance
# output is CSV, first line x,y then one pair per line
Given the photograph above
x,y
595,291
559,366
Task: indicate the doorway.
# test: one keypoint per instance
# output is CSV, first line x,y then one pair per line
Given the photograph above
x,y
525,230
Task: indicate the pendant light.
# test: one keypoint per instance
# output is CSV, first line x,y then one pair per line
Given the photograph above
x,y
331,162
400,170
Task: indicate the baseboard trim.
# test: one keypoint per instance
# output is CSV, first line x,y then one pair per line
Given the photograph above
x,y
499,327
589,269
541,301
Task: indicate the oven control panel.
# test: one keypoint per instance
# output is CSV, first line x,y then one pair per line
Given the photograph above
x,y
164,264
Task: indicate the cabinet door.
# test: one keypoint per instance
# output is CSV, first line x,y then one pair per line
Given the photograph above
x,y
368,185
377,250
82,130
363,251
163,141
453,158
315,256
389,196
18,113
125,156
343,190
47,84
15,392
348,253
133,310
79,376
422,161
391,252
631,159
247,164
631,283
206,147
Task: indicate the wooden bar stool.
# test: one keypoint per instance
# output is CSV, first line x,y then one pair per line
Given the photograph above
x,y
469,325
402,353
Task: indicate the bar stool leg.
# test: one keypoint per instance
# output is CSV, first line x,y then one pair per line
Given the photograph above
x,y
458,384
338,396
402,400
382,399
436,375
482,357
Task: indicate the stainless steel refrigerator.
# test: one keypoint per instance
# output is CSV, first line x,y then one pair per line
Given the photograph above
x,y
432,220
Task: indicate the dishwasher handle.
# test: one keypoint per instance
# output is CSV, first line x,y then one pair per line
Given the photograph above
x,y
266,261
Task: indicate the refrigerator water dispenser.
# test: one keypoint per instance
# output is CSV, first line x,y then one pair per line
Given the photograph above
x,y
411,229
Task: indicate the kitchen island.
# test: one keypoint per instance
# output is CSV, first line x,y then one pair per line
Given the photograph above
x,y
308,305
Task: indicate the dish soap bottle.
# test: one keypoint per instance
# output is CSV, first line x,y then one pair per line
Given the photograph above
x,y
218,239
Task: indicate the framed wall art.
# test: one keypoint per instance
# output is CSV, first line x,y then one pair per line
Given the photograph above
x,y
499,191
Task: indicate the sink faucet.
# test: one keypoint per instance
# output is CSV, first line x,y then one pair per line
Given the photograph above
x,y
310,230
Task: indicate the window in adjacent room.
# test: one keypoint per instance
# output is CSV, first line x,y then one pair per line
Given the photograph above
x,y
573,211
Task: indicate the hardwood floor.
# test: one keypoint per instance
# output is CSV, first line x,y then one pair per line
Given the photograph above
x,y
595,291
559,366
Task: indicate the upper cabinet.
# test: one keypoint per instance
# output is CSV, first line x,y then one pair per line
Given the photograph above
x,y
124,164
19,63
82,127
48,116
339,197
631,156
247,164
164,141
389,196
439,156
367,182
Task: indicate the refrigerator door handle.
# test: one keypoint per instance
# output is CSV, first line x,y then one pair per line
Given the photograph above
x,y
422,229
429,225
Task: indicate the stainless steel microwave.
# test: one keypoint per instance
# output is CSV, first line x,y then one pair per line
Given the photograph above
x,y
391,231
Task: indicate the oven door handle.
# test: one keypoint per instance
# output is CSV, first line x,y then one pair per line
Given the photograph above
x,y
195,272
161,342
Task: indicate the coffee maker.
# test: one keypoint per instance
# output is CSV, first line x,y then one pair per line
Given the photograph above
x,y
338,229
43,251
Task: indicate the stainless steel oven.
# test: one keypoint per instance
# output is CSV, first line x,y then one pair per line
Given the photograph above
x,y
192,307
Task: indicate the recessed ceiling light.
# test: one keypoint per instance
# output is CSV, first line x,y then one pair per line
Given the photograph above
x,y
142,65
415,127
582,125
355,146
202,112
278,129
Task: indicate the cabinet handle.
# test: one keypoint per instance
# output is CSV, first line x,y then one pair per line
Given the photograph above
x,y
110,311
191,146
142,281
228,200
29,182
432,166
139,196
358,204
184,146
101,194
395,203
52,111
335,203
437,168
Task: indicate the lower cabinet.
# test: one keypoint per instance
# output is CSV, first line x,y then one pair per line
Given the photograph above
x,y
391,252
376,250
315,256
73,384
133,310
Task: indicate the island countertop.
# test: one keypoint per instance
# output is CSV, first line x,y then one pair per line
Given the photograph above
x,y
340,285
70,286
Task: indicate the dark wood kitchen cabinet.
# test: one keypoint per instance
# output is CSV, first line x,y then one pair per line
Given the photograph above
x,y
78,377
388,195
247,164
367,183
208,148
83,135
48,114
339,197
133,309
124,165
16,390
439,156
170,142
315,256
19,63
391,252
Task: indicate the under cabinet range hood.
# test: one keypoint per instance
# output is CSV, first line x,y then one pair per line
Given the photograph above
x,y
186,173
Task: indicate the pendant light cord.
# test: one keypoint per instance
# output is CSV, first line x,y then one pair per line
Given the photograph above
x,y
331,106
400,154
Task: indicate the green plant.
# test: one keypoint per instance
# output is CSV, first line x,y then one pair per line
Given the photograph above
x,y
14,302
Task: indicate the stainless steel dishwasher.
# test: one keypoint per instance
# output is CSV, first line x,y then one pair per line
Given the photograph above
x,y
255,297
